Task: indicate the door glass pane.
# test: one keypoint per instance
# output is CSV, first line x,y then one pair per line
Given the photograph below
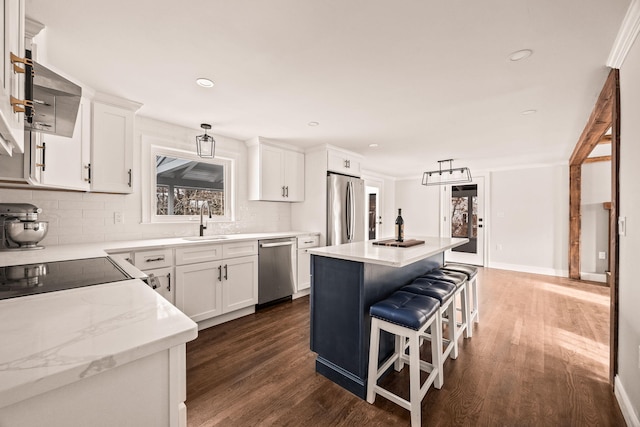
x,y
464,216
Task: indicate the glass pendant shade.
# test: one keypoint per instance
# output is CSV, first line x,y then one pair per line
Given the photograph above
x,y
205,144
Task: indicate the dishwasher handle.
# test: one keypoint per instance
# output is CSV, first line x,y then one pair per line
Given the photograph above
x,y
275,245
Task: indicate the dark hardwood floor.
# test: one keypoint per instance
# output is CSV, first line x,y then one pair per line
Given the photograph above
x,y
539,357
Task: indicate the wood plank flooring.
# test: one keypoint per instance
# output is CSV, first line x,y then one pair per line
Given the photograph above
x,y
539,357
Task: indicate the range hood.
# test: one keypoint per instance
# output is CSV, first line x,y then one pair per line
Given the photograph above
x,y
56,101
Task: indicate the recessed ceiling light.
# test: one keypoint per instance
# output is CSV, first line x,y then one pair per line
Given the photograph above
x,y
204,82
527,112
520,55
373,145
313,124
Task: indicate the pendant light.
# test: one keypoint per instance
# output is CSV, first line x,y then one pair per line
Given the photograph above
x,y
446,176
205,144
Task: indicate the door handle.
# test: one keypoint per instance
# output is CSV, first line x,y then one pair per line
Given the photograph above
x,y
274,245
169,282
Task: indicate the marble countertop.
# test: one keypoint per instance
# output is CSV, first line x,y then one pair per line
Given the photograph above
x,y
55,339
92,250
367,252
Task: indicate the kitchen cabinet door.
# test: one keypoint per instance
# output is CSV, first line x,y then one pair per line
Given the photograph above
x,y
344,163
164,284
12,25
112,149
65,161
240,283
272,168
199,290
294,176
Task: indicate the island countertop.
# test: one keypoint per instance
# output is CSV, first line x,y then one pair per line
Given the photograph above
x,y
367,252
52,340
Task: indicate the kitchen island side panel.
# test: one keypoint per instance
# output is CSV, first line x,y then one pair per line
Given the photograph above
x,y
341,294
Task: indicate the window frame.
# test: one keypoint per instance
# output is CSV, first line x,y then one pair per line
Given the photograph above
x,y
226,162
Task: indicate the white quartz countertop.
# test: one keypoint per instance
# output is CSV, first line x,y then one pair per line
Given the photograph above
x,y
367,252
92,250
51,340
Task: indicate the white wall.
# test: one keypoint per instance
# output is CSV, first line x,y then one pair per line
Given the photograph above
x,y
76,217
420,207
628,378
594,229
529,219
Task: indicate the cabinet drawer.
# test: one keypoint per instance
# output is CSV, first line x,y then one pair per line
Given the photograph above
x,y
156,258
234,250
198,253
308,241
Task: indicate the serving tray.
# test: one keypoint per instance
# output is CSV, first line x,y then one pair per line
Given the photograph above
x,y
403,244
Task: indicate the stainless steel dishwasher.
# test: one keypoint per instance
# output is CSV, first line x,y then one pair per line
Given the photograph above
x,y
276,270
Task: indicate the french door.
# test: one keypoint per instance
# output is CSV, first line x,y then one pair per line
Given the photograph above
x,y
463,207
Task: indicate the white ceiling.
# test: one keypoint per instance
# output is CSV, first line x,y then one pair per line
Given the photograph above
x,y
425,80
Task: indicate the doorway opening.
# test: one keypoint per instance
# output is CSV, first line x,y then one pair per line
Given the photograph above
x,y
462,217
373,198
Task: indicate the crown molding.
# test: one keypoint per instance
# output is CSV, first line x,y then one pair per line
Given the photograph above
x,y
32,27
627,34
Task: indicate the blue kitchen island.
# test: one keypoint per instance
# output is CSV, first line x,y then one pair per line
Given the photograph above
x,y
345,281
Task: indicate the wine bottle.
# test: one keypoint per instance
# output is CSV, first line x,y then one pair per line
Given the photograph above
x,y
399,227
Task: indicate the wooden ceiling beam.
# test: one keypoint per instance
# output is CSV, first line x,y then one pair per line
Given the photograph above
x,y
597,159
598,124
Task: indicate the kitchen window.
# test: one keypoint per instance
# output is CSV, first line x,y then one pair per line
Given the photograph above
x,y
183,182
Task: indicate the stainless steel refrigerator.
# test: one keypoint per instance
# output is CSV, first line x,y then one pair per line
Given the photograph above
x,y
345,209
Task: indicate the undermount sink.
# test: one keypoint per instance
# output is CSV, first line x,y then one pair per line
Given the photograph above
x,y
203,238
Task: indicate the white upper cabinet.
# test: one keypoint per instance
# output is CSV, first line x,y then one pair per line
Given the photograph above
x,y
12,77
64,162
112,147
276,173
343,162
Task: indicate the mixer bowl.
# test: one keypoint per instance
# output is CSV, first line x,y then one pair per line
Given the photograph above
x,y
27,234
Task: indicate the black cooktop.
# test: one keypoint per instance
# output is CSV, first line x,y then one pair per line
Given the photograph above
x,y
29,279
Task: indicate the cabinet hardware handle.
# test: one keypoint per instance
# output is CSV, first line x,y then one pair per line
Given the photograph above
x,y
129,178
225,272
42,165
219,273
160,258
349,163
308,241
283,191
287,189
15,59
169,282
88,168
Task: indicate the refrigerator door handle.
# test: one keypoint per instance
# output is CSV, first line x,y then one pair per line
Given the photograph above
x,y
349,211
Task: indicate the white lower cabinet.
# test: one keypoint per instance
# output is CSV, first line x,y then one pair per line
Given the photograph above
x,y
220,285
304,260
240,285
163,282
199,289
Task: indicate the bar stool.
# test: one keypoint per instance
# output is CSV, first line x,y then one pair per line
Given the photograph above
x,y
472,277
443,292
460,280
407,315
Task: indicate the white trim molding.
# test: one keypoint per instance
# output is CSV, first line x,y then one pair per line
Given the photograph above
x,y
626,407
627,34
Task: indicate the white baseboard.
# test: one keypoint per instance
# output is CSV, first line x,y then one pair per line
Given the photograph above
x,y
204,324
629,413
529,269
594,277
301,293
